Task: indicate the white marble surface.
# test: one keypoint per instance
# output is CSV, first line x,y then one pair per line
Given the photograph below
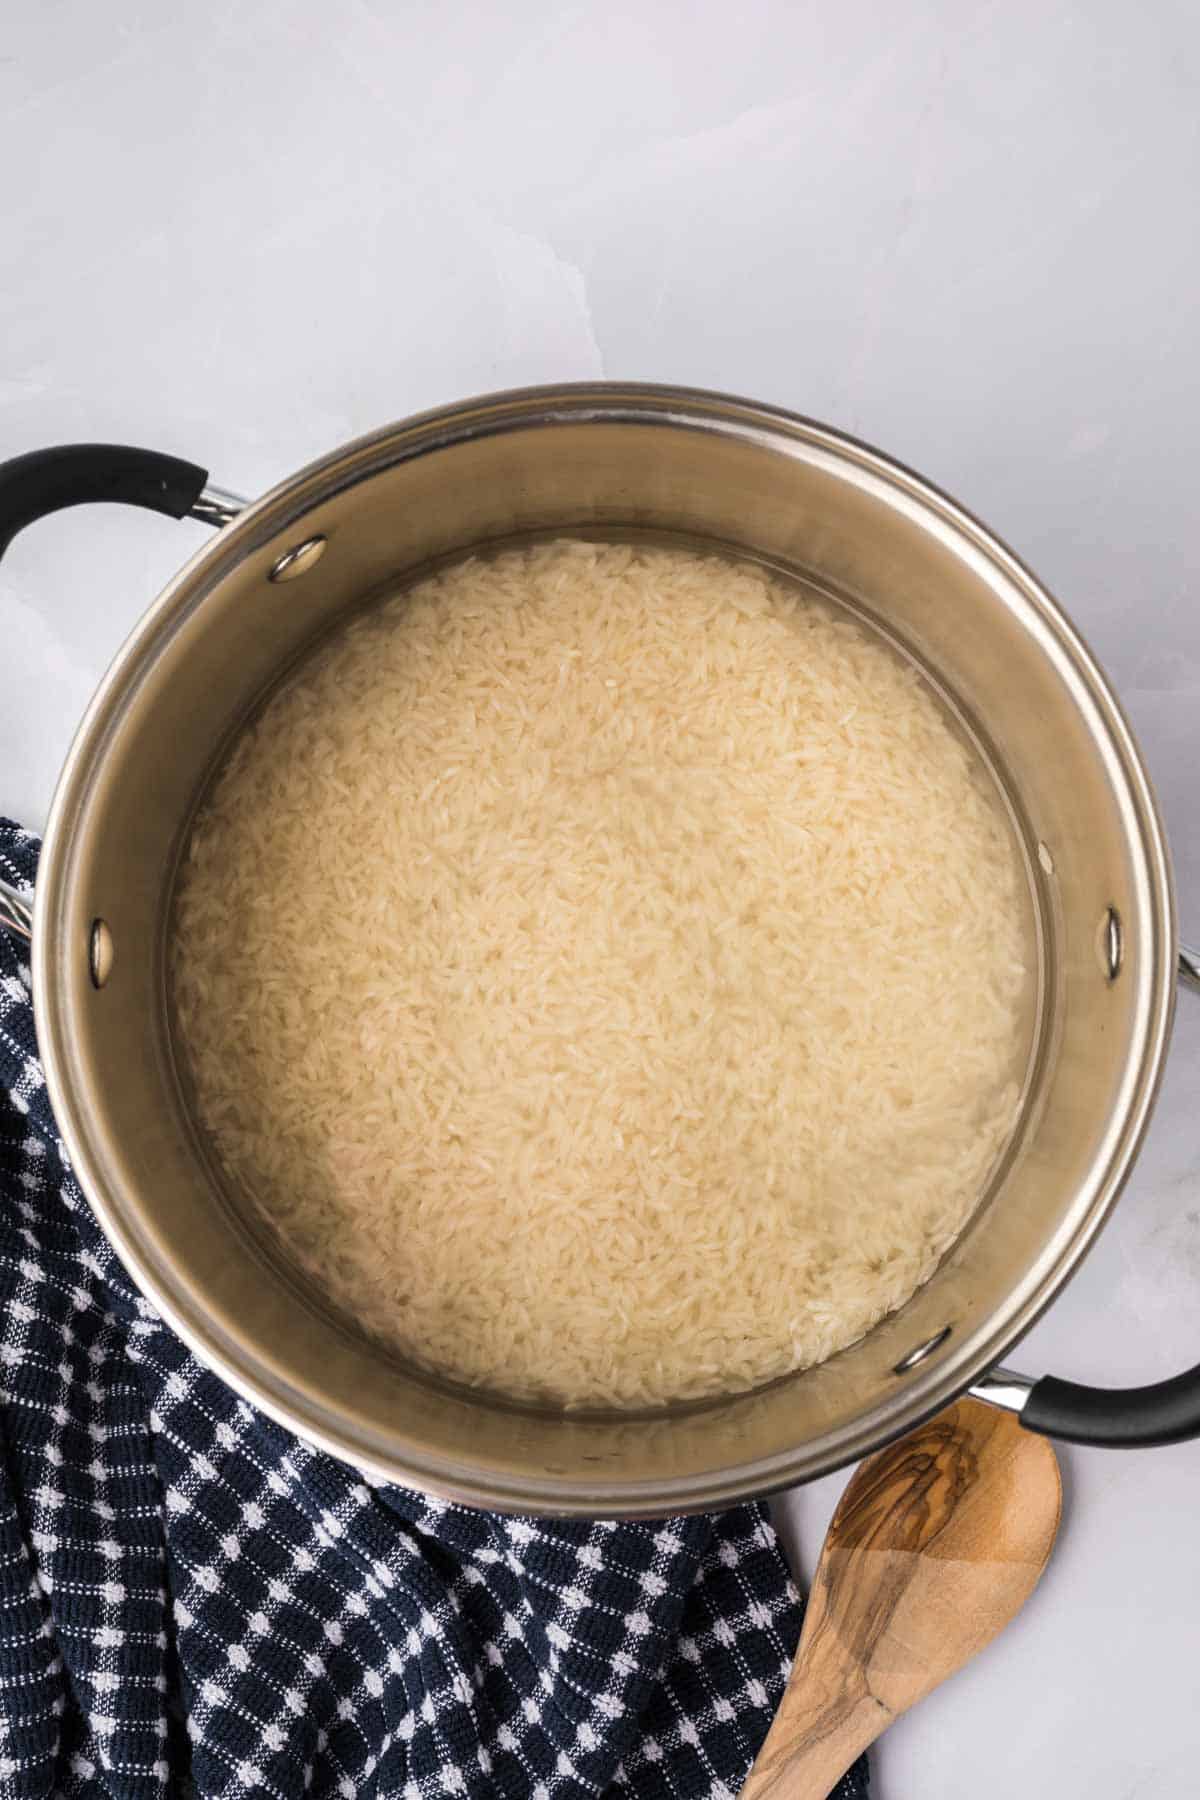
x,y
965,231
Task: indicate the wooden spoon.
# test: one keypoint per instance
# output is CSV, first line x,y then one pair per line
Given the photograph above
x,y
936,1544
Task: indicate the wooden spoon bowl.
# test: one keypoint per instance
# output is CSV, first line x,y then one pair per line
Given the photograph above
x,y
936,1544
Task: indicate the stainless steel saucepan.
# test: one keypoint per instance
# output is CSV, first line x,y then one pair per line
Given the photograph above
x,y
679,465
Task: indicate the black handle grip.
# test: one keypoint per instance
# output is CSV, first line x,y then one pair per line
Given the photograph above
x,y
71,474
1166,1412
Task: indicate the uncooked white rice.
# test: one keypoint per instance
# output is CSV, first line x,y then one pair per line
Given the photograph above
x,y
604,966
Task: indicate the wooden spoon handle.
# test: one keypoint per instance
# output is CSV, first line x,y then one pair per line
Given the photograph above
x,y
819,1731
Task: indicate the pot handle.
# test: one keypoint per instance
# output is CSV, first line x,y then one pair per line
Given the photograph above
x,y
1165,1412
44,481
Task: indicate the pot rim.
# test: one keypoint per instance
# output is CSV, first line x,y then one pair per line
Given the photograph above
x,y
278,511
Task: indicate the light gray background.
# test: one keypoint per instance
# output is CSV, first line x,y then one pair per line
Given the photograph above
x,y
245,232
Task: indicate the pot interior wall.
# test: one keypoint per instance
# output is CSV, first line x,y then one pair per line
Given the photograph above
x,y
737,477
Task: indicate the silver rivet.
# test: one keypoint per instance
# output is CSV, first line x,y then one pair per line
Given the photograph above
x,y
1110,943
299,559
101,953
922,1351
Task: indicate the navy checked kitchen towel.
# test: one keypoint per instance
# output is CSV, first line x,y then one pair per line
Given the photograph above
x,y
191,1600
